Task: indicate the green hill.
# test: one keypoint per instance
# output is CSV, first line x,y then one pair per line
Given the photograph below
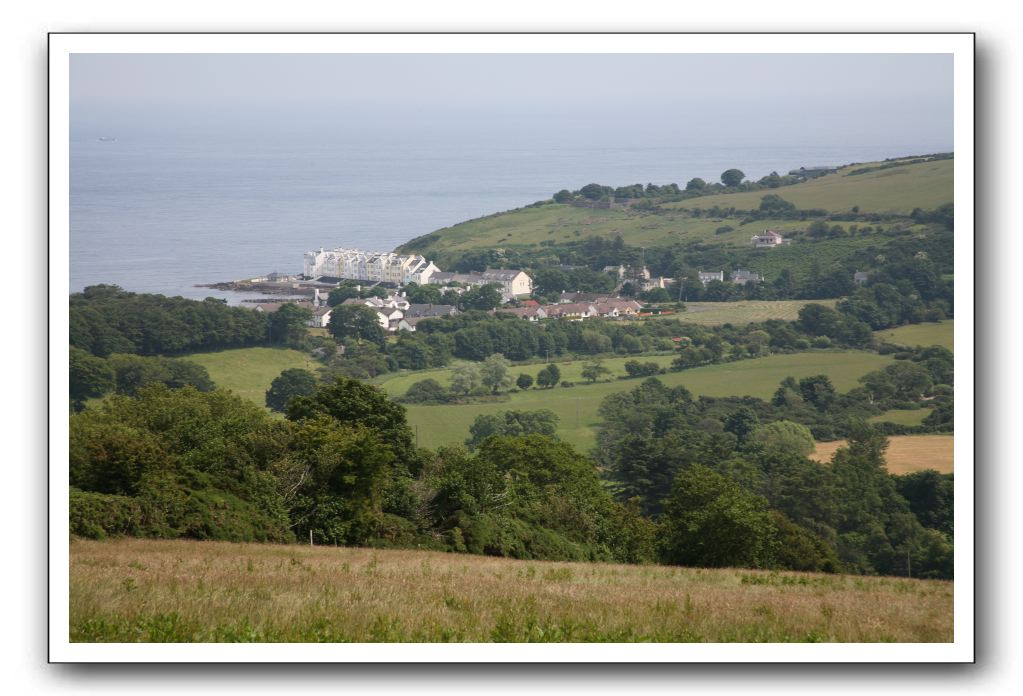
x,y
896,190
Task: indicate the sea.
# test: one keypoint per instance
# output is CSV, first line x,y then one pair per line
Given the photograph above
x,y
163,211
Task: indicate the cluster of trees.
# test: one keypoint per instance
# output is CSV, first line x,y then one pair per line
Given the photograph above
x,y
485,378
120,373
104,319
342,466
731,179
729,487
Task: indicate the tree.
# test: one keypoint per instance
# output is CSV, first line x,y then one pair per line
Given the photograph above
x,y
424,294
426,391
773,203
524,381
563,196
356,323
483,297
293,382
512,423
288,324
594,192
741,423
732,177
817,390
466,379
710,521
494,372
339,295
594,370
696,184
89,377
785,437
548,376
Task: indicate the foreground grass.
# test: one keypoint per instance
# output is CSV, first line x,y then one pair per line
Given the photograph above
x,y
929,334
248,372
906,453
136,590
577,407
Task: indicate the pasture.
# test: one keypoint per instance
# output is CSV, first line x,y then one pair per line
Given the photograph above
x,y
902,416
744,311
906,453
139,590
576,407
927,334
248,372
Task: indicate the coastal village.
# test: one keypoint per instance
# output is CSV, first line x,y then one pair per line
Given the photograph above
x,y
327,269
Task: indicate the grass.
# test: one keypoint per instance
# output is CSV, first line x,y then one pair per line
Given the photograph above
x,y
743,312
902,416
576,407
928,334
906,453
134,590
248,372
896,190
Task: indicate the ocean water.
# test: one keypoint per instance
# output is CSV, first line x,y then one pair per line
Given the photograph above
x,y
162,211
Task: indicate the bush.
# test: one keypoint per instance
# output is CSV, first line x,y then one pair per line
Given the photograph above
x,y
427,391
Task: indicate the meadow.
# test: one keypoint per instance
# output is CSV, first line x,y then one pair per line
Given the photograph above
x,y
743,312
248,372
906,453
576,407
135,590
902,416
895,191
928,334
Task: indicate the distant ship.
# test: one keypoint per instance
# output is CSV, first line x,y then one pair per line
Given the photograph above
x,y
106,139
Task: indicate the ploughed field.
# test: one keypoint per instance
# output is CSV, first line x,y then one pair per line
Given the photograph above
x,y
135,590
906,453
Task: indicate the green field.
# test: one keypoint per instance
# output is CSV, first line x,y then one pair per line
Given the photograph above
x,y
928,334
248,372
577,406
743,312
897,190
903,416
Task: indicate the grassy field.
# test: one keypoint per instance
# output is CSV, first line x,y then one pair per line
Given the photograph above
x,y
906,453
928,334
744,312
897,190
577,407
135,590
903,416
248,372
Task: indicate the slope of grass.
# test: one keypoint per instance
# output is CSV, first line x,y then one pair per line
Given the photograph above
x,y
928,334
902,416
576,407
906,453
248,372
897,190
744,312
134,590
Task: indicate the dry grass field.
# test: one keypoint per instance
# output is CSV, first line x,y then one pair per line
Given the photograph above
x,y
133,590
906,453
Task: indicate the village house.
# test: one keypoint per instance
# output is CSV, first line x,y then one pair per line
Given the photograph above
x,y
513,283
769,239
707,276
861,277
430,310
527,313
741,277
576,311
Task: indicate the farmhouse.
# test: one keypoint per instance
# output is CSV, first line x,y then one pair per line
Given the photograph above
x,y
741,277
707,276
769,238
527,313
812,172
576,311
430,310
860,277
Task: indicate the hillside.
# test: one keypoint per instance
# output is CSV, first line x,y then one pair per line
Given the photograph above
x,y
892,191
136,590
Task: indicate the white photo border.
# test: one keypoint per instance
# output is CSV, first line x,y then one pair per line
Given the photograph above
x,y
62,45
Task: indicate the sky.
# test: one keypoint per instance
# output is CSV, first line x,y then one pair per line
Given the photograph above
x,y
717,99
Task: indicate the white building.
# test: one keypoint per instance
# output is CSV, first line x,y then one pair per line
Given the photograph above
x,y
769,238
707,276
514,283
355,264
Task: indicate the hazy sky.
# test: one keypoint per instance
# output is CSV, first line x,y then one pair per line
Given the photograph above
x,y
687,98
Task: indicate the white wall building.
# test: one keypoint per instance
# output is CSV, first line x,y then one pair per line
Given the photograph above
x,y
355,264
